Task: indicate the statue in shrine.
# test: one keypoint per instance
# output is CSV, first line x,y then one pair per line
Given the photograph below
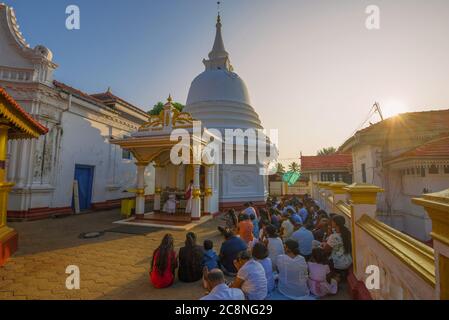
x,y
170,204
188,197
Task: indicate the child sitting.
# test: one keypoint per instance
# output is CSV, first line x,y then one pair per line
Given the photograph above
x,y
320,283
210,258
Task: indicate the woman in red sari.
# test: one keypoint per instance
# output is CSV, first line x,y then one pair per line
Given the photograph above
x,y
164,264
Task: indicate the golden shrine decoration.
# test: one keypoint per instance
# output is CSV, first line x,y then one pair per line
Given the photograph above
x,y
169,117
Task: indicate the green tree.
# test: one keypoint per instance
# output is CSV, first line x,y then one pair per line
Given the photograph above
x,y
294,166
160,105
280,168
326,151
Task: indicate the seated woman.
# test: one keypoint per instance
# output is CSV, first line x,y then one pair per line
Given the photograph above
x,y
190,260
163,264
293,275
339,245
250,277
274,244
320,281
260,254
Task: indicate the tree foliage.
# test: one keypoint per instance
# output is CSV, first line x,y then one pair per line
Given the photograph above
x,y
294,166
327,151
280,168
160,105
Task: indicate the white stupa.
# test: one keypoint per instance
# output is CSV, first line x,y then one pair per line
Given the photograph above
x,y
220,99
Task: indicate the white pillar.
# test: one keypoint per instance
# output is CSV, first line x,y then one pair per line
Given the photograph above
x,y
196,201
208,192
157,188
140,192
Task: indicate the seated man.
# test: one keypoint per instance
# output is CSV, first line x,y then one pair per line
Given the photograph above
x,y
218,290
230,248
170,204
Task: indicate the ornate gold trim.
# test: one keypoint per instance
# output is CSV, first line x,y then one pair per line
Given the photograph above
x,y
208,192
362,193
414,254
196,193
344,208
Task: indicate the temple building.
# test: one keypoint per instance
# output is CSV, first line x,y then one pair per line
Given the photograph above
x,y
406,155
220,99
75,153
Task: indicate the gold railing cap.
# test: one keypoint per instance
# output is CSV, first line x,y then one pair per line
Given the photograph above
x,y
338,185
363,187
442,196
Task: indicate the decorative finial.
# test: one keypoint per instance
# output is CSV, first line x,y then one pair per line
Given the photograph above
x,y
109,90
218,9
169,99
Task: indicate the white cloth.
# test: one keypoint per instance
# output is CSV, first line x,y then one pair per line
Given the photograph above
x,y
288,229
293,276
255,282
341,260
170,204
275,248
268,267
223,292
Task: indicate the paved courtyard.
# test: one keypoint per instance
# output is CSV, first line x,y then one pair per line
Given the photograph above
x,y
113,266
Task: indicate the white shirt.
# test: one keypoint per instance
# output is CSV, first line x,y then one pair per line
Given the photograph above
x,y
223,292
268,267
293,276
288,228
275,248
255,281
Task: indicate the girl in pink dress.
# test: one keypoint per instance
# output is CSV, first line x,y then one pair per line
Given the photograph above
x,y
320,284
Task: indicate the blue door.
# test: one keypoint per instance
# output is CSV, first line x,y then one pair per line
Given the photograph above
x,y
85,176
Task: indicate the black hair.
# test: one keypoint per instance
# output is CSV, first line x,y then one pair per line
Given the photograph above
x,y
244,255
319,256
260,251
293,246
252,216
190,239
244,217
272,231
228,233
208,244
165,249
345,233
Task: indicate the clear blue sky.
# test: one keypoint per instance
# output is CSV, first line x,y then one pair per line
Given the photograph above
x,y
312,68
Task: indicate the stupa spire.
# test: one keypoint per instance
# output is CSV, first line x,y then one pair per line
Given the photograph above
x,y
218,57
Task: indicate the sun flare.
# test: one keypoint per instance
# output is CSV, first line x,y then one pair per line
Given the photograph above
x,y
393,108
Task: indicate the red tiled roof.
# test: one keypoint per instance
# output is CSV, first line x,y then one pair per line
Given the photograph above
x,y
77,92
435,148
330,162
108,96
27,117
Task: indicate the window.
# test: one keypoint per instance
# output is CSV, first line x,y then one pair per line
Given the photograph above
x,y
126,154
364,173
433,169
423,172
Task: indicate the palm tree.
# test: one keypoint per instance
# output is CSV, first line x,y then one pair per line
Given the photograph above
x,y
294,166
280,168
326,151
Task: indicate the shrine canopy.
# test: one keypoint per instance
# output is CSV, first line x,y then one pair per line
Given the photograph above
x,y
152,141
21,124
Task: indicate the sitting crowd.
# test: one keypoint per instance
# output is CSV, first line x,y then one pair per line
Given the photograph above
x,y
289,250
